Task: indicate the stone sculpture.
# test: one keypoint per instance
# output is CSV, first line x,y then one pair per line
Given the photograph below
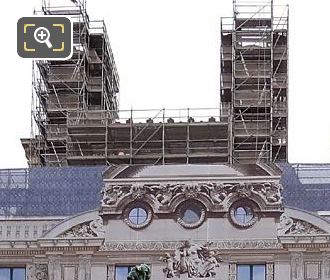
x,y
193,261
139,272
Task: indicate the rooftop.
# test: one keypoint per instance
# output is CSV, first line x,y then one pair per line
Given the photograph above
x,y
65,191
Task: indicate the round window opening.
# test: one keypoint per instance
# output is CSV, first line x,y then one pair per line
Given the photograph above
x,y
191,215
243,215
138,215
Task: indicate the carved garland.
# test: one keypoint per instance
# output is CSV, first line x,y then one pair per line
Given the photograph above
x,y
164,195
173,245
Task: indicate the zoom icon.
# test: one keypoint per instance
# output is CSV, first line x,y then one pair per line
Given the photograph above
x,y
44,37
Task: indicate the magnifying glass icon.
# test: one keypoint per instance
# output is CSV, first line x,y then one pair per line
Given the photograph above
x,y
41,35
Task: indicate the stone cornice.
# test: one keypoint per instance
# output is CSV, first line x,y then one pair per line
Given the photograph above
x,y
305,241
173,180
42,245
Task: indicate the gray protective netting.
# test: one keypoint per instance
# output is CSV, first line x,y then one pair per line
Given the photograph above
x,y
63,191
50,191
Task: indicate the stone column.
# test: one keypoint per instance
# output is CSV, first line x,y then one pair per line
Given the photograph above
x,y
222,271
325,266
297,266
84,268
54,268
232,271
270,271
111,272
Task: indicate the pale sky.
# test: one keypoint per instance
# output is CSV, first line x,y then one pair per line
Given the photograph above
x,y
167,54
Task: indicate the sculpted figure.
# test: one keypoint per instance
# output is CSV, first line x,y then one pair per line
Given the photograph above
x,y
110,195
296,268
244,190
165,195
97,226
285,223
192,261
139,272
271,192
137,192
211,262
218,193
170,264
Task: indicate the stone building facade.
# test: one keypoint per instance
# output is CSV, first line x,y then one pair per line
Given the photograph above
x,y
185,221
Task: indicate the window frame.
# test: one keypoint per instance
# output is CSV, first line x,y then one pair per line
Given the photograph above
x,y
129,267
251,265
244,204
185,206
11,271
138,204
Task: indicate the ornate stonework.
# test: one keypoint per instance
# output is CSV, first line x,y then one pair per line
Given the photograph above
x,y
297,266
166,195
192,261
93,228
175,245
269,271
84,268
290,226
37,272
232,271
325,269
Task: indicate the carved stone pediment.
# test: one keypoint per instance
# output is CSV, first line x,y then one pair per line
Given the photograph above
x,y
292,226
164,197
93,228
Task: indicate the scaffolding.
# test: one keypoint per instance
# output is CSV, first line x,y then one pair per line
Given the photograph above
x,y
156,136
86,83
254,80
164,136
75,106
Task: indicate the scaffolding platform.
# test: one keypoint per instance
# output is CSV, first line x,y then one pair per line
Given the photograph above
x,y
254,80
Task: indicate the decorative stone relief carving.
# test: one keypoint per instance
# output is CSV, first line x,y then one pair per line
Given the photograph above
x,y
269,271
110,272
193,261
173,245
297,266
93,228
290,226
54,268
232,271
326,266
84,268
97,227
164,194
37,272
